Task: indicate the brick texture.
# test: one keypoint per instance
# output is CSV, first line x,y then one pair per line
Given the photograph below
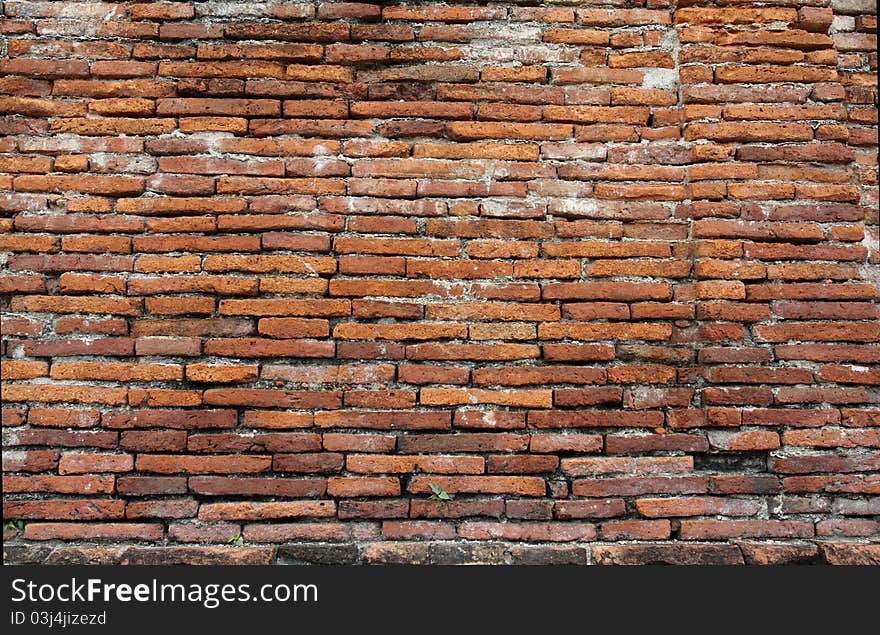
x,y
605,272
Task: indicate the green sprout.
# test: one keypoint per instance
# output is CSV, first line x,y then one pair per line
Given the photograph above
x,y
437,493
236,539
13,524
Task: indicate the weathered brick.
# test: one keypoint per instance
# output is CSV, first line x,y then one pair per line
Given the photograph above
x,y
702,554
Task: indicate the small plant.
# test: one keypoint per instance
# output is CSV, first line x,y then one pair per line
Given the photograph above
x,y
236,539
437,493
13,524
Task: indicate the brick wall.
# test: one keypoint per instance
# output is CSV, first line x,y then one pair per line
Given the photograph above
x,y
603,271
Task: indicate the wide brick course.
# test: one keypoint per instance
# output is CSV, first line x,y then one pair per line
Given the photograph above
x,y
606,272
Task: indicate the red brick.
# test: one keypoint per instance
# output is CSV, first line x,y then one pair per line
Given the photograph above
x,y
268,510
94,531
681,507
85,463
522,485
78,485
257,486
90,509
149,485
724,529
636,530
218,464
528,531
676,553
348,487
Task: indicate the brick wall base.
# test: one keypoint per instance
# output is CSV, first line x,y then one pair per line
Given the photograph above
x,y
484,553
